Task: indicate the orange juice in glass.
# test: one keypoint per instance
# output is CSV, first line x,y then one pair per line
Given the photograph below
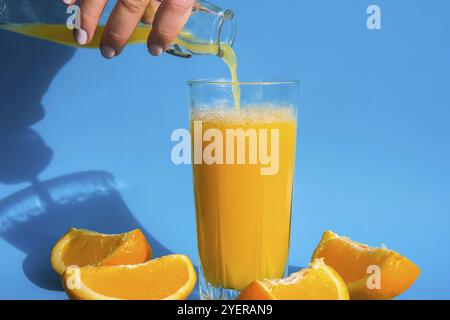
x,y
243,165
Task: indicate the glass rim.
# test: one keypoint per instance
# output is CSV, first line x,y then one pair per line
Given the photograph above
x,y
227,82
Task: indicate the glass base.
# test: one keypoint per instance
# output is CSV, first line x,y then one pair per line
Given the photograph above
x,y
210,292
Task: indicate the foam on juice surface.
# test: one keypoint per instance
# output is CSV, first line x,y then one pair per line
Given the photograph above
x,y
244,116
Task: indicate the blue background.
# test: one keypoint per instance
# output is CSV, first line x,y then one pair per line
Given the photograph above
x,y
373,156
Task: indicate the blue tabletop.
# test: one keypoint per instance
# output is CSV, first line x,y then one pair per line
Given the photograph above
x,y
85,142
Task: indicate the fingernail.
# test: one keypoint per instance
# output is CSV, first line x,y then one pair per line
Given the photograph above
x,y
67,1
155,50
81,37
108,52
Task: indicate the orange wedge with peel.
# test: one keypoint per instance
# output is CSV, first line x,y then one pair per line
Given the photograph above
x,y
80,247
170,277
319,282
370,273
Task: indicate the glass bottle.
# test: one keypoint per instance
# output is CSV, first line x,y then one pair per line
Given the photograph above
x,y
209,26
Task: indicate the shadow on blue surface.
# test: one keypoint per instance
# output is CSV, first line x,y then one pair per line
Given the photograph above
x,y
27,68
33,219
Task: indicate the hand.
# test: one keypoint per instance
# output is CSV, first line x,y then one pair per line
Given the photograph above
x,y
167,16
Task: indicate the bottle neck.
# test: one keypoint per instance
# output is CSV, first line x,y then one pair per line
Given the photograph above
x,y
224,33
207,31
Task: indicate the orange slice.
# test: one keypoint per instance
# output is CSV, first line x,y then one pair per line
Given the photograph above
x,y
370,273
320,282
80,247
171,277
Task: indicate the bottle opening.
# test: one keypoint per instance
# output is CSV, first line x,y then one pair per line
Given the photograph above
x,y
226,31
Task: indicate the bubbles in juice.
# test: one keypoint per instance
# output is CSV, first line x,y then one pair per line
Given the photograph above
x,y
243,216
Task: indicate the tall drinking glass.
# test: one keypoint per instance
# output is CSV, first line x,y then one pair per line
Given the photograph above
x,y
243,167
